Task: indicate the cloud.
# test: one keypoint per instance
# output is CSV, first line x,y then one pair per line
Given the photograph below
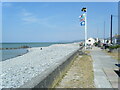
x,y
6,4
24,12
28,17
27,14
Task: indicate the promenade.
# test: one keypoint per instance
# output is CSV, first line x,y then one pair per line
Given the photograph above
x,y
104,66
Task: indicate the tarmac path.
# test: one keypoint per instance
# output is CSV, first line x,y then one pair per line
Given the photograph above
x,y
104,66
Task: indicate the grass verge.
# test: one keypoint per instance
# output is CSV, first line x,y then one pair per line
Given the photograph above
x,y
114,55
80,75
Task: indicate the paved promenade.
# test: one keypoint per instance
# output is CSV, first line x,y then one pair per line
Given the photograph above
x,y
104,66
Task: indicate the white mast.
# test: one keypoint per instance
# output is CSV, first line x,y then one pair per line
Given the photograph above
x,y
85,17
85,29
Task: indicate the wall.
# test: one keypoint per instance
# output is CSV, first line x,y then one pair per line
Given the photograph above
x,y
52,76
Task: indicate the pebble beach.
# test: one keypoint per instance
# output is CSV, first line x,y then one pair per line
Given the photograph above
x,y
19,70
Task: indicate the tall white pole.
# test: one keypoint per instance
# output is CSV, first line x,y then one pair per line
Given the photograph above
x,y
85,29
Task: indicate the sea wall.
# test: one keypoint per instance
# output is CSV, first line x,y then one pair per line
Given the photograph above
x,y
52,76
38,68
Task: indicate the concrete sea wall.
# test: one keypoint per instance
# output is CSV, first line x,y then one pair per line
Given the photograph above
x,y
52,76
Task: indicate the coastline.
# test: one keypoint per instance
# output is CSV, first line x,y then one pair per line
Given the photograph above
x,y
15,55
9,52
17,71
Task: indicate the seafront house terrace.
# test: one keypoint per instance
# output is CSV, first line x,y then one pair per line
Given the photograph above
x,y
116,39
90,41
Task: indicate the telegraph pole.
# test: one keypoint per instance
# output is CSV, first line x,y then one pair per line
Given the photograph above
x,y
111,30
97,32
104,31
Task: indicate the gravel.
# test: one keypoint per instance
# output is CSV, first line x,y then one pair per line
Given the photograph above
x,y
17,71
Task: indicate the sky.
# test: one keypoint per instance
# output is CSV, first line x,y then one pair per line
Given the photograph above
x,y
56,21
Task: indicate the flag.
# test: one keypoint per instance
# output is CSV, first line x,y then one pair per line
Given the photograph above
x,y
82,16
82,19
82,23
84,9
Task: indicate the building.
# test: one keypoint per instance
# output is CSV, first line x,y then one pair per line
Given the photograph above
x,y
116,39
90,41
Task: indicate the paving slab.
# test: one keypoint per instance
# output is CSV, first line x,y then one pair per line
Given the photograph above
x,y
104,65
112,77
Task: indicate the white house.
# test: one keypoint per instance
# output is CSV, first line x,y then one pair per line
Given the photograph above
x,y
102,40
116,39
90,41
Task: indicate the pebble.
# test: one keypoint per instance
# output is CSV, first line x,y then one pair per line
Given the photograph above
x,y
17,70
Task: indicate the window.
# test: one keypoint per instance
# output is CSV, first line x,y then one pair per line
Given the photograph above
x,y
89,40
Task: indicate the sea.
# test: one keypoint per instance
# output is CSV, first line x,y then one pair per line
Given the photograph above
x,y
12,53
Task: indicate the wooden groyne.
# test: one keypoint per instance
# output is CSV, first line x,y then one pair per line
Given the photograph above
x,y
22,47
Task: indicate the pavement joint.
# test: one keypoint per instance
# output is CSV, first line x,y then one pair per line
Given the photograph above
x,y
104,65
